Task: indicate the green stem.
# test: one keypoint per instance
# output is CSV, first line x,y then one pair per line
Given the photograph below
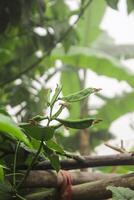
x,y
32,163
14,164
20,197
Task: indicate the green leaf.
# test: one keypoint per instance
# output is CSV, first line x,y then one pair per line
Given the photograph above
x,y
121,193
58,112
80,123
53,145
3,111
113,3
52,156
115,108
71,86
39,132
54,159
7,126
5,187
55,96
78,96
101,63
130,6
1,173
88,26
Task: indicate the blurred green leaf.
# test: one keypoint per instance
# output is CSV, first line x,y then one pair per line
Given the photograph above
x,y
88,26
130,6
7,126
113,3
99,62
71,86
121,193
1,173
115,108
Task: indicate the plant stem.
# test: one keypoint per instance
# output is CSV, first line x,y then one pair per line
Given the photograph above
x,y
32,163
14,165
20,197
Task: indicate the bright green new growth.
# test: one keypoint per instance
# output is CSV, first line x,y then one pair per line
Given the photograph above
x,y
78,96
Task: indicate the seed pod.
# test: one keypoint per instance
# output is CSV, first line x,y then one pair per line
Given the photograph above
x,y
80,123
78,96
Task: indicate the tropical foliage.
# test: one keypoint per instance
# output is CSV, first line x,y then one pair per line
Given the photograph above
x,y
45,42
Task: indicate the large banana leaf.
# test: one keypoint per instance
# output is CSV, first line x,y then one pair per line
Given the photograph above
x,y
115,108
88,26
101,63
71,83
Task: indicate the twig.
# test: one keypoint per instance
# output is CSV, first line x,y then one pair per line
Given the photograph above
x,y
118,149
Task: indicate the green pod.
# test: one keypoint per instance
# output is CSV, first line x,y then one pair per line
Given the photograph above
x,y
80,123
78,96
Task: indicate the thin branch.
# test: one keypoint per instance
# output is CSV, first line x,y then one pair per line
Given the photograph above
x,y
118,149
88,161
65,34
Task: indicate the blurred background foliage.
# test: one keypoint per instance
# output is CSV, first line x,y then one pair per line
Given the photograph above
x,y
42,38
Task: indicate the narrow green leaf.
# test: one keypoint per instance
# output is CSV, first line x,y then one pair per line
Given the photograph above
x,y
130,6
78,96
10,128
113,3
38,132
53,145
58,112
80,123
55,96
1,173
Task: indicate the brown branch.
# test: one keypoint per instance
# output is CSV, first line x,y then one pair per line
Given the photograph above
x,y
88,161
51,179
97,190
94,190
63,36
